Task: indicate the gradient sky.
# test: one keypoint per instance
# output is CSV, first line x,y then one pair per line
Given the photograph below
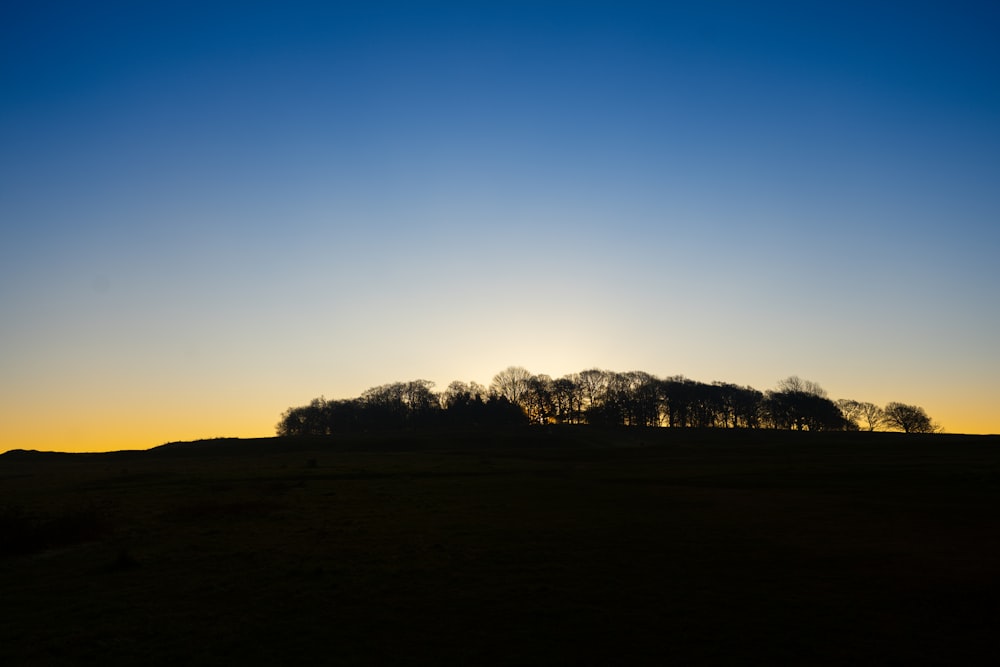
x,y
210,212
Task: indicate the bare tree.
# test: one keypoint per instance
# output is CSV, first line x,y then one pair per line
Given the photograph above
x,y
908,418
419,397
513,384
796,384
678,396
643,404
851,410
739,407
401,403
596,396
803,410
459,392
566,399
862,415
538,399
871,416
593,387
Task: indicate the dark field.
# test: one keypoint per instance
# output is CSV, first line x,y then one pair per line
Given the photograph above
x,y
547,547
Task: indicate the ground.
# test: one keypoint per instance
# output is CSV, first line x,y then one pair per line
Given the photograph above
x,y
541,547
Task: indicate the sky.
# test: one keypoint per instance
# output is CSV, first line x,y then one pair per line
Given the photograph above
x,y
211,211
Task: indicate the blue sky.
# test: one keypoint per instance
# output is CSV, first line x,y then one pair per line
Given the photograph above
x,y
212,211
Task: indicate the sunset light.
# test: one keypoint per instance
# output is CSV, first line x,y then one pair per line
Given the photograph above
x,y
213,213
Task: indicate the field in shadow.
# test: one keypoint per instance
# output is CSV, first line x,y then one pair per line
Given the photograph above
x,y
558,547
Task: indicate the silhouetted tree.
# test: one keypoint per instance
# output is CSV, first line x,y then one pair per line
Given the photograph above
x,y
707,406
383,405
681,401
498,411
422,403
801,410
740,407
611,410
802,405
401,403
538,400
596,396
593,386
469,405
309,419
908,418
861,415
850,409
796,384
749,407
462,393
567,400
871,416
639,398
512,384
322,417
625,399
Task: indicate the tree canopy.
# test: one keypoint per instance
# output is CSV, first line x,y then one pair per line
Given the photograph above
x,y
908,418
595,396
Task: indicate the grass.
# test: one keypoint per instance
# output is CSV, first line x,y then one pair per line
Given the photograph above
x,y
558,547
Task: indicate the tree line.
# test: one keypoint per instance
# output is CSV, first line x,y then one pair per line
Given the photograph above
x,y
595,396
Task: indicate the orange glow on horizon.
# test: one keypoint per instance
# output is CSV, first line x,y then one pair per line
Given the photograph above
x,y
137,433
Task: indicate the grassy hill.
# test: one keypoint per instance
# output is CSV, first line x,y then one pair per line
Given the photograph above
x,y
524,546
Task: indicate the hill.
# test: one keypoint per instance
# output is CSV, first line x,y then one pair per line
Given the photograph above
x,y
527,546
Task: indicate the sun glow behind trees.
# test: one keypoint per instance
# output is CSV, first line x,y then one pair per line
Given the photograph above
x,y
599,397
211,211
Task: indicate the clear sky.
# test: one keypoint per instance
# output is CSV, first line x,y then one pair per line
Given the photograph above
x,y
210,212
